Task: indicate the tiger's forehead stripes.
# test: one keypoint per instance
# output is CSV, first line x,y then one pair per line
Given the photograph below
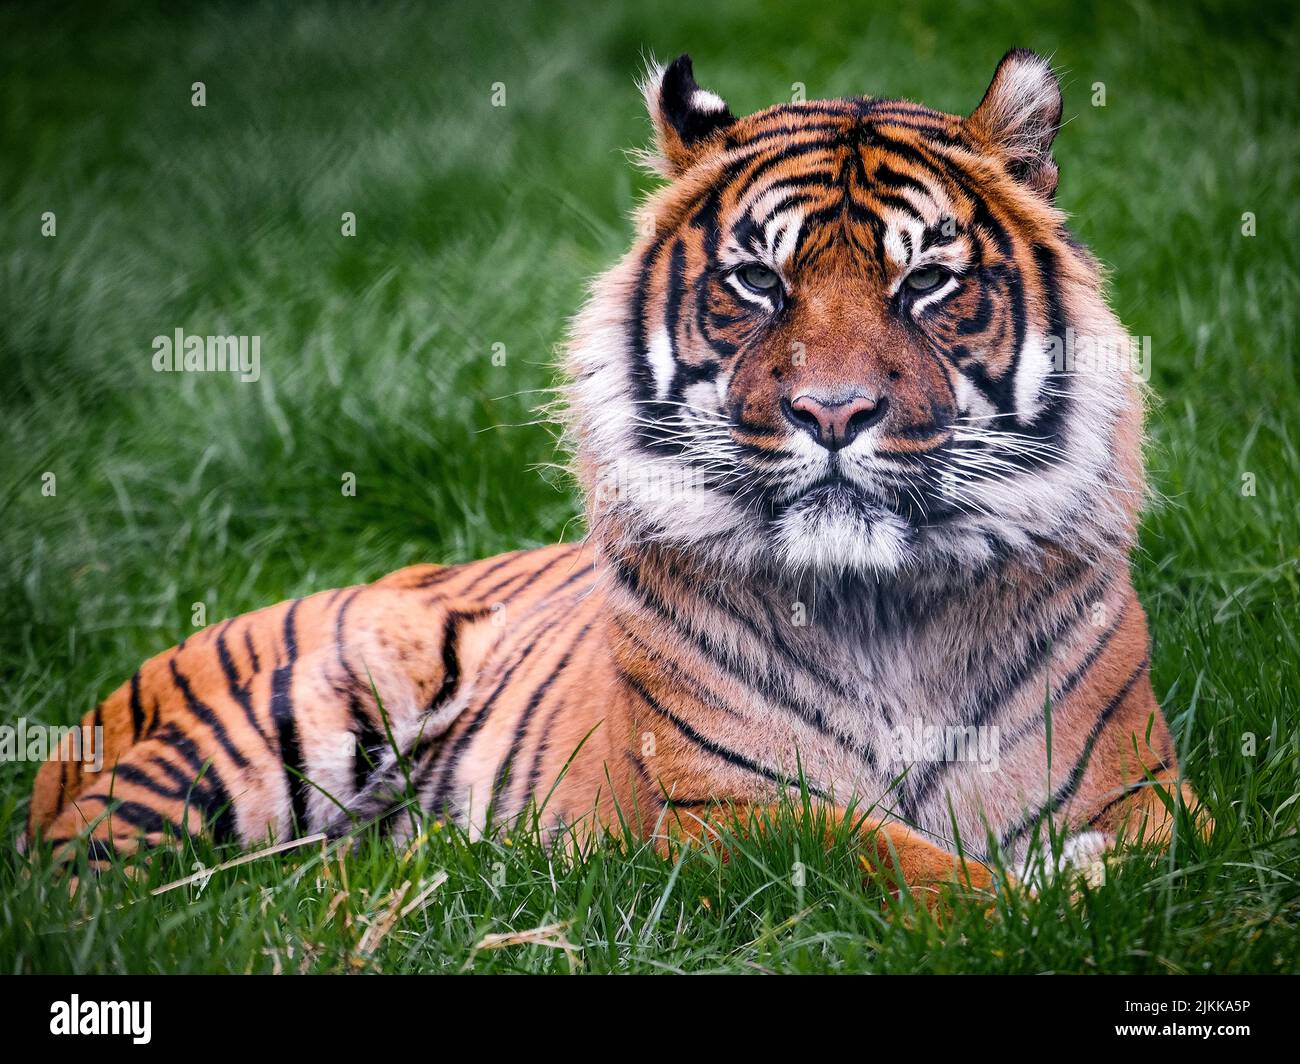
x,y
855,164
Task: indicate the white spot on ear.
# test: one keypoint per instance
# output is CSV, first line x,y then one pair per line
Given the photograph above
x,y
704,100
662,363
1029,91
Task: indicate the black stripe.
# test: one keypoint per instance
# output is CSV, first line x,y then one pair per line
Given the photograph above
x,y
144,818
96,731
726,754
239,692
543,744
885,175
181,781
254,660
979,321
1055,403
282,715
786,132
64,789
451,655
441,573
183,745
340,620
447,776
128,773
998,691
207,795
642,377
774,687
137,708
369,740
902,205
1067,686
202,787
207,715
679,676
994,694
526,717
533,577
1067,789
452,570
1130,790
652,788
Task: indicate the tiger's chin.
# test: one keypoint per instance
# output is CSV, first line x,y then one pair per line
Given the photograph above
x,y
837,528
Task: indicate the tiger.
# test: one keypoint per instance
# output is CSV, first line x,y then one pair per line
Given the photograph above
x,y
842,487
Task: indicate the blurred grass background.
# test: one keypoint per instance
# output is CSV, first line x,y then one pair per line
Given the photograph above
x,y
477,226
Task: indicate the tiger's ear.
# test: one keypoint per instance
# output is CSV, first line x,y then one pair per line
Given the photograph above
x,y
685,116
1020,114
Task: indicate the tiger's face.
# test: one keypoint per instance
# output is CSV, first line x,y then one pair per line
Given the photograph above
x,y
839,343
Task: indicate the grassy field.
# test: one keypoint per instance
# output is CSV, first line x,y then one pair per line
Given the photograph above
x,y
476,227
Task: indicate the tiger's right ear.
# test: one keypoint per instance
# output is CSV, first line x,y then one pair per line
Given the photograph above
x,y
686,117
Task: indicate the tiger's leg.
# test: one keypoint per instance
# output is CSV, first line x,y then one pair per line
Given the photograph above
x,y
891,851
1145,814
1129,789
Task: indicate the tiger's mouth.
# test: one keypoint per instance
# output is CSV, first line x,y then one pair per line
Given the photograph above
x,y
836,496
837,524
835,489
837,499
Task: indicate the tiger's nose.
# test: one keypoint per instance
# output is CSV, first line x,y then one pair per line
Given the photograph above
x,y
834,422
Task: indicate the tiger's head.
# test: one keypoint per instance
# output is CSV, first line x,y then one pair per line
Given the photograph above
x,y
843,341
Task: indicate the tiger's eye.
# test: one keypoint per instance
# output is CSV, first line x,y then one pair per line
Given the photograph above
x,y
759,278
926,279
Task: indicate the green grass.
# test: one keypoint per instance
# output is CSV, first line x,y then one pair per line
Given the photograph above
x,y
478,226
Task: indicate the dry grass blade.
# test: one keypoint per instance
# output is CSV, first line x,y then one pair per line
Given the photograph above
x,y
549,935
394,912
207,873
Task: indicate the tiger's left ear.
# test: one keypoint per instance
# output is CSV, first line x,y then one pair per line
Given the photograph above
x,y
686,117
1020,114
